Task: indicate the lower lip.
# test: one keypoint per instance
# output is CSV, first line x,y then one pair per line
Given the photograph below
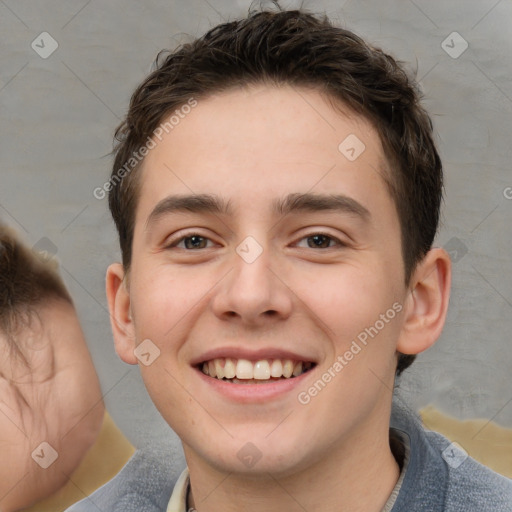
x,y
252,393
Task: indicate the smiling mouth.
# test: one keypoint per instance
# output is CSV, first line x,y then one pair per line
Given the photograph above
x,y
243,371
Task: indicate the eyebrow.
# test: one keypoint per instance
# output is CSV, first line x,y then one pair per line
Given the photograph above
x,y
292,203
193,203
320,202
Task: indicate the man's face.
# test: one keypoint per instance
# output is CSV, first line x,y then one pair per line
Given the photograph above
x,y
302,256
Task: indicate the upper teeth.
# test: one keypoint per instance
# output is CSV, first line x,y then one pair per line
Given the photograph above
x,y
263,369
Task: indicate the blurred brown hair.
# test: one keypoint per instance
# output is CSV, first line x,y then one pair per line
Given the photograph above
x,y
26,282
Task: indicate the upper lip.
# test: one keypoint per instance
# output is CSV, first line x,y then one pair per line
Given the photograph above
x,y
251,355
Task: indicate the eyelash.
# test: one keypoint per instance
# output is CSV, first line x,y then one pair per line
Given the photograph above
x,y
338,242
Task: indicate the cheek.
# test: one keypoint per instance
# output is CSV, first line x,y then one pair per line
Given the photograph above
x,y
359,311
346,300
158,301
166,303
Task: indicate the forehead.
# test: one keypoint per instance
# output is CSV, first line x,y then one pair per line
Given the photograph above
x,y
263,142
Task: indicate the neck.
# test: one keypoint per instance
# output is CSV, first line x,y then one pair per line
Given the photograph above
x,y
356,475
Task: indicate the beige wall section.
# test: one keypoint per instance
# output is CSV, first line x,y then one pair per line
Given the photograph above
x,y
484,440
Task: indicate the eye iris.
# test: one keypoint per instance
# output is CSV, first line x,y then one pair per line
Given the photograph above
x,y
195,242
319,241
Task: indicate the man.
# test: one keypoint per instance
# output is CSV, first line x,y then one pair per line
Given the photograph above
x,y
51,409
276,190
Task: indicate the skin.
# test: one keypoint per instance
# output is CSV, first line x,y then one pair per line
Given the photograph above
x,y
57,400
251,146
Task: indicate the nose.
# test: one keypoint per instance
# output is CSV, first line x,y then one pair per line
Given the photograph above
x,y
253,293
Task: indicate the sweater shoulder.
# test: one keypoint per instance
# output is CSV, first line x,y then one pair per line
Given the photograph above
x,y
472,486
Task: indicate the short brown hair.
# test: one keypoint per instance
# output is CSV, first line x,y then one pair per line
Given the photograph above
x,y
300,49
26,281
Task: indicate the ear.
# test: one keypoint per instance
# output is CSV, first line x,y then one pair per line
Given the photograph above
x,y
120,314
427,303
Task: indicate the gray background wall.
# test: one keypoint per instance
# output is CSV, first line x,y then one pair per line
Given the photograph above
x,y
58,115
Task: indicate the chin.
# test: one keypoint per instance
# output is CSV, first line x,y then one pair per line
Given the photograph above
x,y
253,453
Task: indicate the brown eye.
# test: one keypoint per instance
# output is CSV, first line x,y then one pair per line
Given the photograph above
x,y
195,242
319,241
191,242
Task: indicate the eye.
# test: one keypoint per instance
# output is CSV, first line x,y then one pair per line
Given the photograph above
x,y
320,241
192,241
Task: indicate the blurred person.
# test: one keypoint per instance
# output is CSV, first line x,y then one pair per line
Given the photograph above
x,y
51,407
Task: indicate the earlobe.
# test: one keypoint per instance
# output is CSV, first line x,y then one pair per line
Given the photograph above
x,y
120,314
427,303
